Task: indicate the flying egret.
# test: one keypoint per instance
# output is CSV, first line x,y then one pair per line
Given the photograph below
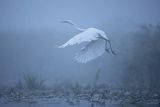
x,y
96,39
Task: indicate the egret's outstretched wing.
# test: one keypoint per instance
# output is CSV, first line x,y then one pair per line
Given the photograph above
x,y
92,50
85,36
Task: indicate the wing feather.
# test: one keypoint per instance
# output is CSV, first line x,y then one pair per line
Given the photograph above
x,y
86,36
92,50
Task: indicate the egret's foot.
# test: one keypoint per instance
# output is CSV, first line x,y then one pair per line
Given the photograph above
x,y
107,50
114,53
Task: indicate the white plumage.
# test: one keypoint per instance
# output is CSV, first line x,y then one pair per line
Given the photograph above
x,y
92,50
96,43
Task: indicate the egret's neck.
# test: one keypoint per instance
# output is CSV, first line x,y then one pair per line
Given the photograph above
x,y
75,26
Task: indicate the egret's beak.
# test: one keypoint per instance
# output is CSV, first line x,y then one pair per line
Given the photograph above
x,y
65,21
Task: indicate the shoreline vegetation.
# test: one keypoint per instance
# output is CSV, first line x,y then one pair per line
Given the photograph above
x,y
74,94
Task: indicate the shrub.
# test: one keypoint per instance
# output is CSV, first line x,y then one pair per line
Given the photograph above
x,y
33,82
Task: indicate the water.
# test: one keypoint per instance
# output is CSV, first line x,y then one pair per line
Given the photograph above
x,y
52,105
63,104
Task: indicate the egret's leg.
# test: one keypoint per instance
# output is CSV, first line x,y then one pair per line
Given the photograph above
x,y
106,48
113,52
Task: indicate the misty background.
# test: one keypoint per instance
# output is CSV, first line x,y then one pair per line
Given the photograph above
x,y
30,31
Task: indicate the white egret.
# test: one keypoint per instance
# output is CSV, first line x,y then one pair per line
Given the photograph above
x,y
96,39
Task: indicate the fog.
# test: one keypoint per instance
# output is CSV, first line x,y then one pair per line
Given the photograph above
x,y
30,32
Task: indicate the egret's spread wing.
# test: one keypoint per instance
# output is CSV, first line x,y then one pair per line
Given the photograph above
x,y
92,50
85,36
